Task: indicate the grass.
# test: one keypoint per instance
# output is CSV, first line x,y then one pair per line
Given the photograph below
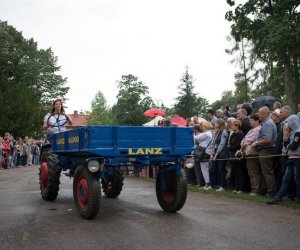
x,y
244,196
228,193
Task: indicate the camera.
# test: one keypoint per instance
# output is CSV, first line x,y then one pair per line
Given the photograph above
x,y
239,154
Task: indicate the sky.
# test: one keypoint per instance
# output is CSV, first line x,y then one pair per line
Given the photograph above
x,y
98,41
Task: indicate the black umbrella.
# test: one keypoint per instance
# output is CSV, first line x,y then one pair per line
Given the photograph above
x,y
266,100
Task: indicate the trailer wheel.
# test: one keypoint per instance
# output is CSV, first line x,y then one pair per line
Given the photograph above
x,y
112,184
86,192
171,190
49,174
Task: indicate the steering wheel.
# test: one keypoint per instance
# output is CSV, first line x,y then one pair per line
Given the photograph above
x,y
60,120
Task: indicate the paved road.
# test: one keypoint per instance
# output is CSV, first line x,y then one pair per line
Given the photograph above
x,y
135,220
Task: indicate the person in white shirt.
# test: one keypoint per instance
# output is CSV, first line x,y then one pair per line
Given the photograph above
x,y
203,140
56,119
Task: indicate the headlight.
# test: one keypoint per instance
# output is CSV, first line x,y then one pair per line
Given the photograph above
x,y
93,166
189,162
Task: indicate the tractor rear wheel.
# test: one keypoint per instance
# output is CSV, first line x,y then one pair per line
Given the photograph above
x,y
49,173
112,184
171,190
86,192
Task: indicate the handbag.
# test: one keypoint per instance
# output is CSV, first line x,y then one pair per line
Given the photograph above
x,y
200,154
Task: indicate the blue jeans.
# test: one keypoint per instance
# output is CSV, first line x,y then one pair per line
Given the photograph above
x,y
292,172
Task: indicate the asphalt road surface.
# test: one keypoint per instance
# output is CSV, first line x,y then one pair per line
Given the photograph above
x,y
135,220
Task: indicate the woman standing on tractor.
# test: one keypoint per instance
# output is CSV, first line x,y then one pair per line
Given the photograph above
x,y
56,119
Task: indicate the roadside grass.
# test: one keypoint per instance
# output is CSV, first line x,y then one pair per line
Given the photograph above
x,y
243,196
228,193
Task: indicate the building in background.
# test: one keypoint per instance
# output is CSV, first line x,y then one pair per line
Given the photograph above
x,y
79,120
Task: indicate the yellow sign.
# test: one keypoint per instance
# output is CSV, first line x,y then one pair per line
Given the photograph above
x,y
145,151
74,139
60,141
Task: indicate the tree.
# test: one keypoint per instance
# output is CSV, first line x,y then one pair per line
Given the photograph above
x,y
242,78
187,103
100,112
273,27
22,65
132,101
227,99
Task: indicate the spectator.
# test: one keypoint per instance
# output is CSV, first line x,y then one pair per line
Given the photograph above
x,y
248,107
229,122
298,106
25,153
166,123
196,171
19,152
219,113
276,105
217,170
1,152
14,156
211,117
265,144
7,150
292,138
30,155
188,120
275,116
35,153
243,118
204,140
238,170
253,165
279,170
195,120
229,114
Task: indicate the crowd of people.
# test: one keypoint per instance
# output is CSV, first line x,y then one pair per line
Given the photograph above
x,y
18,152
257,153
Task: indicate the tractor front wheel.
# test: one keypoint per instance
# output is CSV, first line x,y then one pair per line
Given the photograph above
x,y
112,184
49,173
86,192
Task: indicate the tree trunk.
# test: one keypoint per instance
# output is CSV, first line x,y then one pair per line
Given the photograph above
x,y
245,71
288,81
297,79
272,78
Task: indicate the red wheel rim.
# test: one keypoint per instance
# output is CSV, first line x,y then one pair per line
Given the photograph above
x,y
44,174
82,192
169,195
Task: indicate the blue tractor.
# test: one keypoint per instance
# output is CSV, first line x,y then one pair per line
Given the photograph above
x,y
95,156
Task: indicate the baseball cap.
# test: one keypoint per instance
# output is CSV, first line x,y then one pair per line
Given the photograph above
x,y
276,112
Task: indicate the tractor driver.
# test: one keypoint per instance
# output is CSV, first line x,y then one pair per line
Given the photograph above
x,y
56,119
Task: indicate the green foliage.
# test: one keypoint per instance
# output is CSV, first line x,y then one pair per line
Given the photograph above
x,y
20,115
100,114
22,65
227,99
273,28
241,92
132,102
188,104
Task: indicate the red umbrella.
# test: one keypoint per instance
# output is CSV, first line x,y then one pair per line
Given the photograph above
x,y
154,112
180,121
